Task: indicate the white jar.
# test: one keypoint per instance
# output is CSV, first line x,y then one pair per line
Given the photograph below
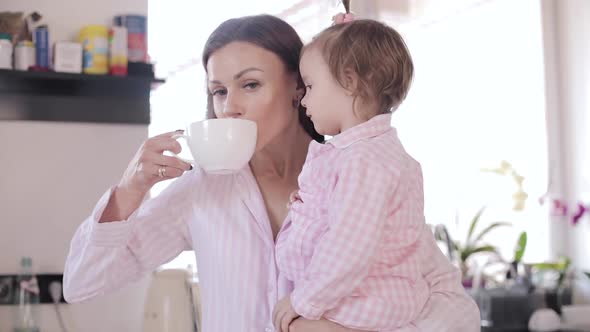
x,y
5,54
24,55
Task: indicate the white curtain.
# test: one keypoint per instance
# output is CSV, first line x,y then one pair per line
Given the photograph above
x,y
477,99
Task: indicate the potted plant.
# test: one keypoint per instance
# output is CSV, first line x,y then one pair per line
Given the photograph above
x,y
561,294
474,244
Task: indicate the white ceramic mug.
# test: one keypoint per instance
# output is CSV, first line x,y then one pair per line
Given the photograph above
x,y
221,146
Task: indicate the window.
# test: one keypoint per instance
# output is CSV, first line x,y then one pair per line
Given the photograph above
x,y
477,99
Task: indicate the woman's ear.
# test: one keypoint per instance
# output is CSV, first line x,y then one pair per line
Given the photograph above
x,y
300,93
299,86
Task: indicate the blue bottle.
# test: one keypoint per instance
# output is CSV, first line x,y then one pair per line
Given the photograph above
x,y
41,40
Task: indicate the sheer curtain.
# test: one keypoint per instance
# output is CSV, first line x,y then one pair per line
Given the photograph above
x,y
477,99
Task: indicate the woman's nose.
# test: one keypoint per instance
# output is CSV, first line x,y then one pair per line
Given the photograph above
x,y
231,113
232,107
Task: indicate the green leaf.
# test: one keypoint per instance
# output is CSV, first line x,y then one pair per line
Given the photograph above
x,y
473,224
561,265
464,253
547,266
473,250
490,228
564,263
486,248
520,247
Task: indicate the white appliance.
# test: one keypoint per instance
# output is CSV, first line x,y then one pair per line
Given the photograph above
x,y
172,302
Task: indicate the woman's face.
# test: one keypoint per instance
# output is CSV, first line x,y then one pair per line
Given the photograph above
x,y
249,82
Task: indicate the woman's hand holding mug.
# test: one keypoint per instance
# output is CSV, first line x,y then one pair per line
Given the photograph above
x,y
150,166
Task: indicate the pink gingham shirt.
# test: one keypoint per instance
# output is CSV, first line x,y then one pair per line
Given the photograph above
x,y
224,220
351,243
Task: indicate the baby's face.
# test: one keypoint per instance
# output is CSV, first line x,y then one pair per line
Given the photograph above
x,y
327,102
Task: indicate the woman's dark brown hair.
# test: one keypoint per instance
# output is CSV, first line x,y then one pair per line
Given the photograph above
x,y
270,33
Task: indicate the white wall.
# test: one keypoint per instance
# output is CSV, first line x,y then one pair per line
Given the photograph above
x,y
51,175
567,54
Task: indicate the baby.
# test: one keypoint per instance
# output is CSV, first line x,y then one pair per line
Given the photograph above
x,y
350,241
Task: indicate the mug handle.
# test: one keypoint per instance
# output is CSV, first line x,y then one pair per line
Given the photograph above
x,y
176,137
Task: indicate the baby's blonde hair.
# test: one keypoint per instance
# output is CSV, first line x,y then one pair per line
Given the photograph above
x,y
376,53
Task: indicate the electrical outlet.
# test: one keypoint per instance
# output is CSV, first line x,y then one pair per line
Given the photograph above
x,y
8,288
44,281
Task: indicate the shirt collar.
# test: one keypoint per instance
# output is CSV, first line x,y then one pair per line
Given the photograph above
x,y
376,126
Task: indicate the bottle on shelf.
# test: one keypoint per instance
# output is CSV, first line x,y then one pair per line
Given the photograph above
x,y
27,298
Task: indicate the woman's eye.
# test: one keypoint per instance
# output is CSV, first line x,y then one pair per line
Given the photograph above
x,y
219,92
251,85
308,87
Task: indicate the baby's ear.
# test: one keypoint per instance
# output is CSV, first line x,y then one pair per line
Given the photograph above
x,y
351,80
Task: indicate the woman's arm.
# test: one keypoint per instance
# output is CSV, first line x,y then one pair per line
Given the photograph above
x,y
449,309
141,175
108,252
305,325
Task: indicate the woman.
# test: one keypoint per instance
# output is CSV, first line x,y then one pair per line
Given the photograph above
x,y
230,221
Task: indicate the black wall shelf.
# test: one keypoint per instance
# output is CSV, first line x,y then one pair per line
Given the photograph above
x,y
50,96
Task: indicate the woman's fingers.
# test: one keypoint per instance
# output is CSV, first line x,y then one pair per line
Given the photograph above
x,y
159,167
322,325
286,320
150,165
162,143
160,159
278,314
164,172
